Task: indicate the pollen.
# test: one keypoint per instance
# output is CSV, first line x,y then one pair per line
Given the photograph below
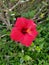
x,y
28,31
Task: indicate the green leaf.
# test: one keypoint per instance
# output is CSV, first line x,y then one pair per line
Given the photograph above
x,y
27,58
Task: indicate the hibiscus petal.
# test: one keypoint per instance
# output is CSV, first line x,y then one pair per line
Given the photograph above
x,y
27,40
31,24
24,25
20,23
34,34
16,35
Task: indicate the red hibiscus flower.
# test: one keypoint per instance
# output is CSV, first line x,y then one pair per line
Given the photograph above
x,y
24,31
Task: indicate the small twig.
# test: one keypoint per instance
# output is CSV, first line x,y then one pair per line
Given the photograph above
x,y
3,19
3,36
19,2
13,6
40,22
2,4
39,11
2,26
8,21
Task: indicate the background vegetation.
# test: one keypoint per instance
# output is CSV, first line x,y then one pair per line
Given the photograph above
x,y
12,53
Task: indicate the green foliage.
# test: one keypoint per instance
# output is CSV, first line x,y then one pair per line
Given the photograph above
x,y
29,14
13,53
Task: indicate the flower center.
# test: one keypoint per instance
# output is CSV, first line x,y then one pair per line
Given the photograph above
x,y
28,31
24,31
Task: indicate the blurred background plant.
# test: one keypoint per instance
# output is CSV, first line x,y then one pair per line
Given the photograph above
x,y
12,53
